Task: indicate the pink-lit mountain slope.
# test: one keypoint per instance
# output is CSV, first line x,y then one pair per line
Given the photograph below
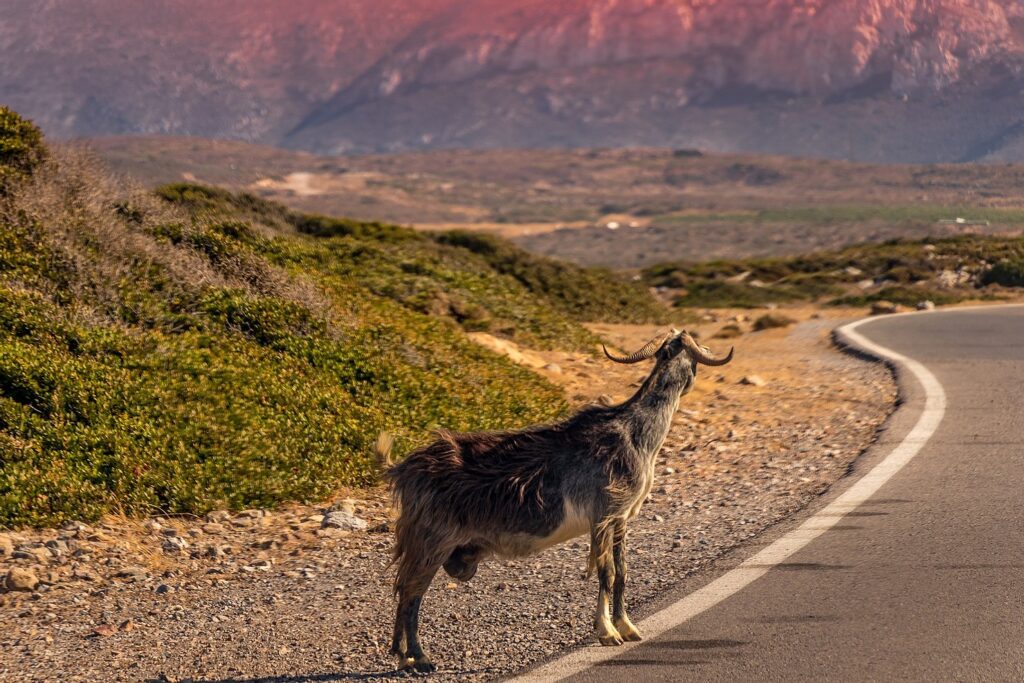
x,y
886,80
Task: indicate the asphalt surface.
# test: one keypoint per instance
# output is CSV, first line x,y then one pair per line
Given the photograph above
x,y
925,580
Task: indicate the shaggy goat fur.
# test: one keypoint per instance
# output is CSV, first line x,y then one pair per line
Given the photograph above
x,y
468,496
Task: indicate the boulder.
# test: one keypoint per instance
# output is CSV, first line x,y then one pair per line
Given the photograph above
x,y
340,519
19,579
883,308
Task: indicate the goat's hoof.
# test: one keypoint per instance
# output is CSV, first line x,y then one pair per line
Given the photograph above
x,y
420,664
607,635
628,630
424,666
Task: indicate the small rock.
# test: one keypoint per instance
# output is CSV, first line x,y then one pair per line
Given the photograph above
x,y
866,284
753,380
104,630
925,305
853,271
213,528
339,519
669,470
214,552
38,554
218,516
883,308
657,518
553,368
51,578
6,546
174,544
251,514
57,547
153,525
133,574
85,574
19,579
163,589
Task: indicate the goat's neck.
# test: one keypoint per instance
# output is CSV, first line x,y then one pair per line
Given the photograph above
x,y
649,412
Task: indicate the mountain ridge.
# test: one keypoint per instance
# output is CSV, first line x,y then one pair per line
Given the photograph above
x,y
873,80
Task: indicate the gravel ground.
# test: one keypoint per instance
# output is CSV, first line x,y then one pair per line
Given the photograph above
x,y
276,596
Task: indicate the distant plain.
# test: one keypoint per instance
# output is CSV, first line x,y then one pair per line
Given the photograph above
x,y
661,205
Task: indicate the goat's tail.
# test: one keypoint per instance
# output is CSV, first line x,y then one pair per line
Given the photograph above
x,y
382,451
419,543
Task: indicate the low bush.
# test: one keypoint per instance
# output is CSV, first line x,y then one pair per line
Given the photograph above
x,y
21,147
1006,273
772,320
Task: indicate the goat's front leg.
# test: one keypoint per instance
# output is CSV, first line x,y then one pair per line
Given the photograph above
x,y
620,619
601,542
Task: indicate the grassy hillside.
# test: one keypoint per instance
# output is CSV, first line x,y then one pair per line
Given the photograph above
x,y
197,349
941,270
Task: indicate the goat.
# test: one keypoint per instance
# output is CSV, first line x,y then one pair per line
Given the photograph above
x,y
465,497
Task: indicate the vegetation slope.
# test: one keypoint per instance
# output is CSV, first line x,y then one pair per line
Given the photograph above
x,y
194,349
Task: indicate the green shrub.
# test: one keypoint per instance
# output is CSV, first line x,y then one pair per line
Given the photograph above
x,y
324,226
904,296
1006,273
585,294
730,331
771,321
21,147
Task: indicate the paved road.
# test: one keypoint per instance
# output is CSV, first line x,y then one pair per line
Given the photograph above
x,y
925,580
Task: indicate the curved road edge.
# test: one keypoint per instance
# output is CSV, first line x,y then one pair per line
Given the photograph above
x,y
917,385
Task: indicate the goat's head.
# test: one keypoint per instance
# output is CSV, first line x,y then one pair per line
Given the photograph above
x,y
677,350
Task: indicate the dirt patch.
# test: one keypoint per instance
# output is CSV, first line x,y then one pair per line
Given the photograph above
x,y
258,594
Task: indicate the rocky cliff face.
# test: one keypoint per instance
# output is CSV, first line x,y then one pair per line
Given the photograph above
x,y
339,75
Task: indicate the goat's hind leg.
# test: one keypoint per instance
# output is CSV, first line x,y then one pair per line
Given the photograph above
x,y
405,643
620,619
601,558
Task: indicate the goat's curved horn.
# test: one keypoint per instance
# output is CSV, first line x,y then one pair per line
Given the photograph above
x,y
701,354
645,352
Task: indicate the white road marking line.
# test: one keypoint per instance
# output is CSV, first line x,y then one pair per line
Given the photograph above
x,y
757,566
